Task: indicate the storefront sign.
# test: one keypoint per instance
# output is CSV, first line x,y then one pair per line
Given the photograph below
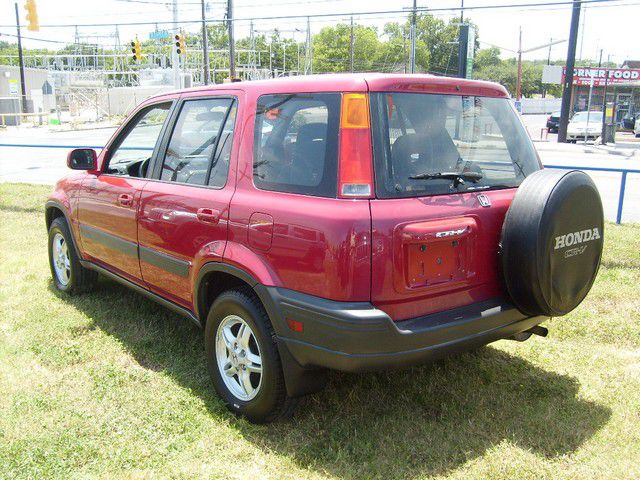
x,y
582,76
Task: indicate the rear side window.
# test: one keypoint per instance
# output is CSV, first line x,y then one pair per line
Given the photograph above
x,y
419,135
194,138
296,143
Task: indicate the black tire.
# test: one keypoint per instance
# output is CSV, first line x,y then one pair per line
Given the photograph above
x,y
271,401
80,279
552,240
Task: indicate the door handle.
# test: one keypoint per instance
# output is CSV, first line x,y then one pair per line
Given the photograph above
x,y
208,215
125,200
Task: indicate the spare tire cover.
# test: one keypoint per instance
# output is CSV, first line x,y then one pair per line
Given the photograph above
x,y
552,240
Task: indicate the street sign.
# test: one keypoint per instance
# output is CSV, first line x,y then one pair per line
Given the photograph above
x,y
13,86
471,43
46,88
158,35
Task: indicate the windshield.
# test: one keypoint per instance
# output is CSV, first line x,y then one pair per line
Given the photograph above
x,y
581,117
421,141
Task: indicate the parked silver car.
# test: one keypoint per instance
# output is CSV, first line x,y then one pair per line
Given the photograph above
x,y
584,124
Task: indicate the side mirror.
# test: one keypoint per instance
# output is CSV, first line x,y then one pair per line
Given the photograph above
x,y
82,159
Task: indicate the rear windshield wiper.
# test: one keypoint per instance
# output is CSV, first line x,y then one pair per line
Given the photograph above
x,y
457,177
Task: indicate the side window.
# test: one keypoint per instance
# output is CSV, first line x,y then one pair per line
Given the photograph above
x,y
193,141
133,150
296,143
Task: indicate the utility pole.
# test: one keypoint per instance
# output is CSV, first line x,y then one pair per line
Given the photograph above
x,y
600,60
175,57
519,80
253,65
232,46
544,88
351,45
308,53
461,11
23,88
584,20
205,46
568,77
412,59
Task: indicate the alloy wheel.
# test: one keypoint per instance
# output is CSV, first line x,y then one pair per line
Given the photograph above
x,y
238,357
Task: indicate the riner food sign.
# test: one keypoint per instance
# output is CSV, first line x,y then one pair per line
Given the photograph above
x,y
582,76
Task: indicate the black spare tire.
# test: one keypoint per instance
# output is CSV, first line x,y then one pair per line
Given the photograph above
x,y
552,242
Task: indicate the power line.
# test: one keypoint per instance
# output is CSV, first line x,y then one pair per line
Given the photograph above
x,y
329,15
32,38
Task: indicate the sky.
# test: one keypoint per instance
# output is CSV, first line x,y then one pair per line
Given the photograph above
x,y
612,27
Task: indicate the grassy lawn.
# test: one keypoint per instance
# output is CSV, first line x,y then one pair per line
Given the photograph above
x,y
110,385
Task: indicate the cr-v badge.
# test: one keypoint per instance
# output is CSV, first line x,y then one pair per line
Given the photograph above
x,y
484,200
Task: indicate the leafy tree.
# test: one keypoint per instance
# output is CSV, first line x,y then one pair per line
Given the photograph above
x,y
331,48
486,58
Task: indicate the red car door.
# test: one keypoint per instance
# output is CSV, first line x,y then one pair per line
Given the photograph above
x,y
184,208
108,202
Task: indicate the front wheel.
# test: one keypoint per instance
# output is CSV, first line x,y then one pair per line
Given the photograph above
x,y
243,359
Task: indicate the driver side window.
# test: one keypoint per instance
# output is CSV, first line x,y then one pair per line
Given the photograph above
x,y
133,151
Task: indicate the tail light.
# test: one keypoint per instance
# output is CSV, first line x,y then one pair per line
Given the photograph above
x,y
355,177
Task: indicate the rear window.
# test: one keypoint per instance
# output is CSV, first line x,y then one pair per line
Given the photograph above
x,y
422,134
296,143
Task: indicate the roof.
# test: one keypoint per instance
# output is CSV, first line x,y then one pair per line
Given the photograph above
x,y
631,64
355,82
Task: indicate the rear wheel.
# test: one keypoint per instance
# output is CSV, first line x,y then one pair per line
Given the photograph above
x,y
68,274
243,359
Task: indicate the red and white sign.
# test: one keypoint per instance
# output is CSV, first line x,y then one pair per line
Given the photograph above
x,y
582,76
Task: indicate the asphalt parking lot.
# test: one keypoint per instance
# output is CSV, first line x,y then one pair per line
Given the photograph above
x,y
46,162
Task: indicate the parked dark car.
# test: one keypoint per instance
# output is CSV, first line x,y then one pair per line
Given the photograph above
x,y
352,222
553,122
629,121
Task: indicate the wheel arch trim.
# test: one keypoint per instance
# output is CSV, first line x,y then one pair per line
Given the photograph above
x,y
54,204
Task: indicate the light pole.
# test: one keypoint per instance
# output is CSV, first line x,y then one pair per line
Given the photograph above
x,y
412,60
568,77
232,45
520,52
205,47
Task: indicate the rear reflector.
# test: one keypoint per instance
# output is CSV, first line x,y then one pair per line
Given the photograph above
x,y
355,171
295,325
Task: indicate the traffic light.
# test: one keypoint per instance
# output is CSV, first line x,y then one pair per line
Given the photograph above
x,y
135,49
32,16
181,47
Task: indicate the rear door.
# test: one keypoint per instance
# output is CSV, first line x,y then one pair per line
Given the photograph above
x,y
185,205
436,234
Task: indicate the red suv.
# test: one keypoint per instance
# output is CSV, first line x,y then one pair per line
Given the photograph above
x,y
351,222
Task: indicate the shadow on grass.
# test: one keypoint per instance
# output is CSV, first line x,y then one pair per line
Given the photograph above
x,y
426,420
17,209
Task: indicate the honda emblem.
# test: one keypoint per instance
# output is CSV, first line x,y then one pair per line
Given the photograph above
x,y
484,200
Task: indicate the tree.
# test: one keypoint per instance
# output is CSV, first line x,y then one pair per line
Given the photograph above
x,y
331,48
487,57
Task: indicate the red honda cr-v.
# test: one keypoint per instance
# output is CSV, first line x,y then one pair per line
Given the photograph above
x,y
351,222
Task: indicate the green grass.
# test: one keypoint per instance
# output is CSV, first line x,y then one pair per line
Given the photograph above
x,y
110,385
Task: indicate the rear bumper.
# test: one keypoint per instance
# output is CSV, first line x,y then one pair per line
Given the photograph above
x,y
356,336
580,136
